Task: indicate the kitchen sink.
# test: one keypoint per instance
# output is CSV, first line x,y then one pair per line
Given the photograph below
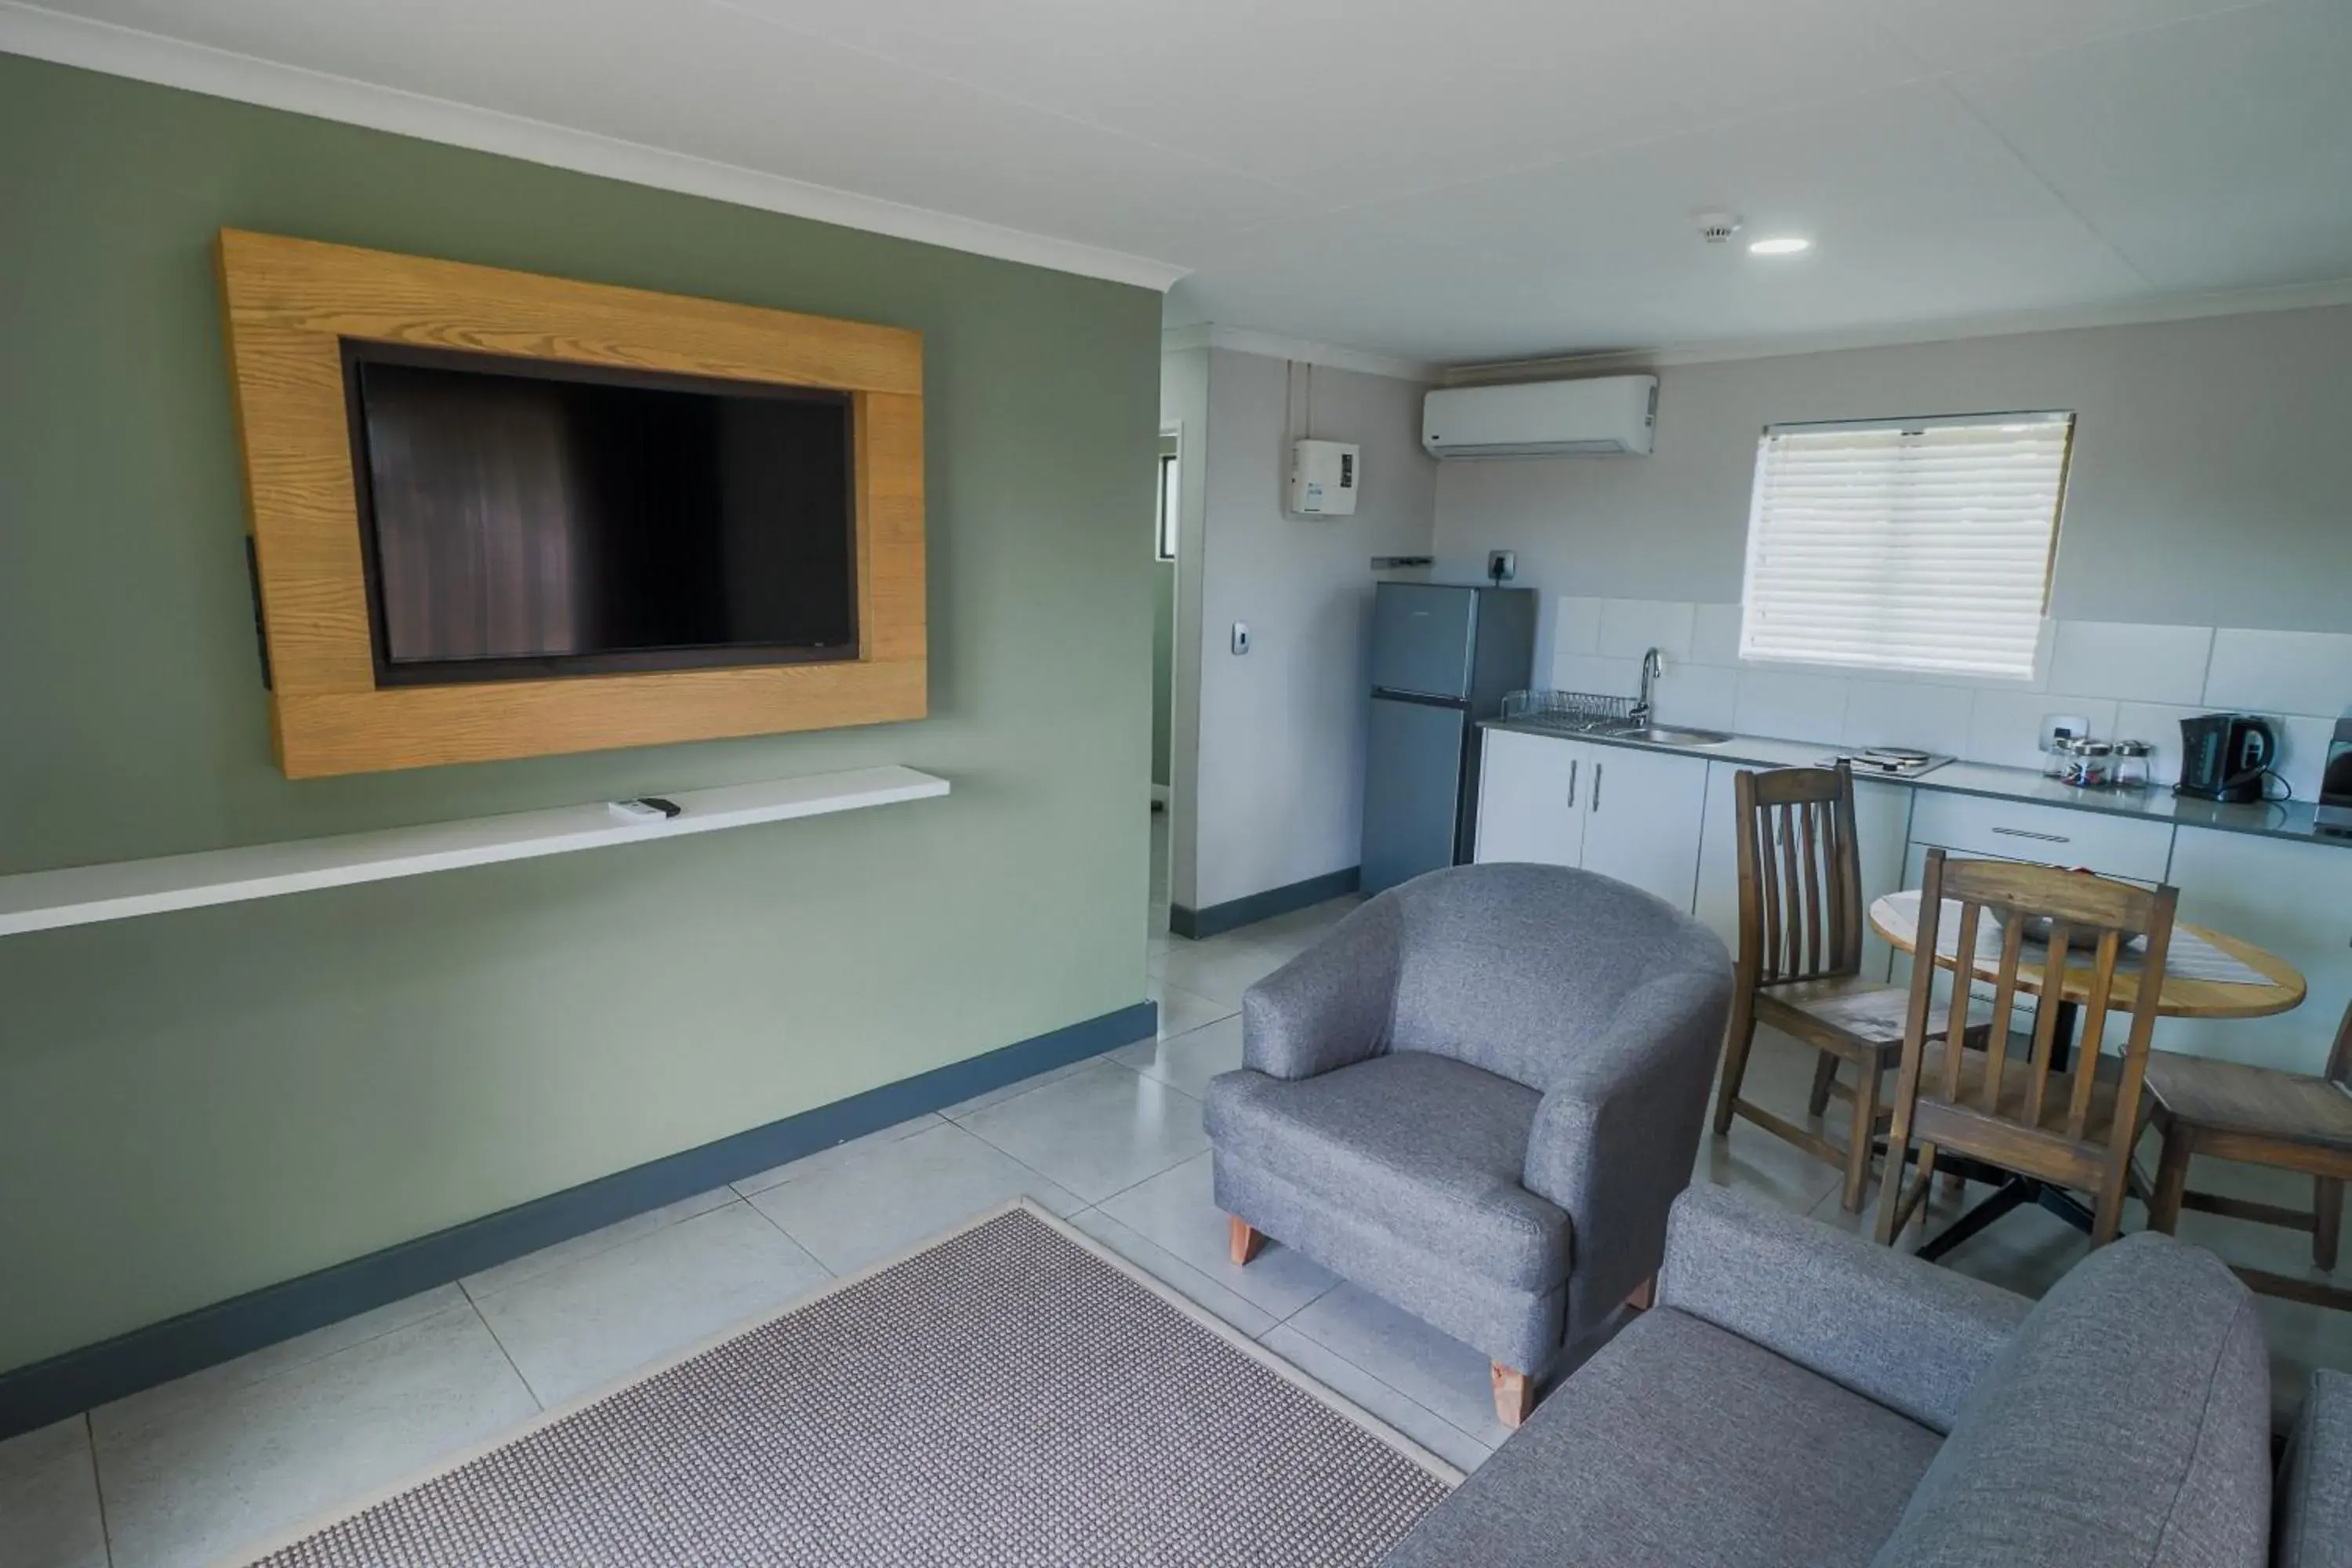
x,y
1669,735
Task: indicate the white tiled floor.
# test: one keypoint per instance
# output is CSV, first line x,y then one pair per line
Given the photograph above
x,y
182,1473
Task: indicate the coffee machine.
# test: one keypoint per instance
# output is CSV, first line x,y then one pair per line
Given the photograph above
x,y
2226,756
2335,816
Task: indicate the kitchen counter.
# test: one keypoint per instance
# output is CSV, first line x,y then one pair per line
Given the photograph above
x,y
2278,819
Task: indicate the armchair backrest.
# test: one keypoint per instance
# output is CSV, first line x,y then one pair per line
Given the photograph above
x,y
1507,967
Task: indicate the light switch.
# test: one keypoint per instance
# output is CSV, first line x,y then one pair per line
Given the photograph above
x,y
1241,636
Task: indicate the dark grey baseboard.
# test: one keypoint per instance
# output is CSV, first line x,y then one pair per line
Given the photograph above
x,y
1232,916
50,1390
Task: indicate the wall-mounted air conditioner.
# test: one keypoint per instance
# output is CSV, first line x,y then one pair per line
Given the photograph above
x,y
1617,414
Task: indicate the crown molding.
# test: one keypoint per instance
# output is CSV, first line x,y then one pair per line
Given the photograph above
x,y
2138,312
171,62
1304,351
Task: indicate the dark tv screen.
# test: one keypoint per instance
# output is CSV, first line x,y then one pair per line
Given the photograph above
x,y
523,519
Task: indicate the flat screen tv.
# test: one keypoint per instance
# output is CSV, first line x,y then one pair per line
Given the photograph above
x,y
523,519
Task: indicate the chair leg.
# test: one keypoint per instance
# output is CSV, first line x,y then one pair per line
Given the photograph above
x,y
1242,1241
1736,1042
1857,1149
2107,1214
1898,1147
2171,1180
1927,1184
1511,1400
1644,1296
1825,1077
2326,1219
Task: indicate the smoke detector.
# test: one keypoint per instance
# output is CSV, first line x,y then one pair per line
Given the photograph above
x,y
1717,228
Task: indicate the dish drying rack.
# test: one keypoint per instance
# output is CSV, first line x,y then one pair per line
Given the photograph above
x,y
1567,709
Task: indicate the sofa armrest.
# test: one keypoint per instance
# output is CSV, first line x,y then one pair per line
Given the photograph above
x,y
1618,1129
2315,1483
1909,1334
1331,1005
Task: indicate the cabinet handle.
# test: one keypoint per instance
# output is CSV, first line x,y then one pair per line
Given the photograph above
x,y
1572,767
1596,786
2025,833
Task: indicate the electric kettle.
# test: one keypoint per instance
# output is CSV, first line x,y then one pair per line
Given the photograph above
x,y
2224,756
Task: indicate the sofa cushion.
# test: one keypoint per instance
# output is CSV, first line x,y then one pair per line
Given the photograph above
x,y
1428,1149
2126,1422
2314,1501
1913,1337
1679,1443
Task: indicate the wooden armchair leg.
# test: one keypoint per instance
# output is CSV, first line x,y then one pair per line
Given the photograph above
x,y
2171,1180
1857,1148
1511,1395
1242,1241
1737,1040
2326,1219
1644,1296
1824,1080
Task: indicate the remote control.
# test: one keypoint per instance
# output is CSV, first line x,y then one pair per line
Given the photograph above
x,y
652,808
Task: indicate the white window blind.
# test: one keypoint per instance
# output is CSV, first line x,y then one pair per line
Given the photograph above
x,y
1919,545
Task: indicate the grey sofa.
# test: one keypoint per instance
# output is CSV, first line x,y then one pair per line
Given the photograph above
x,y
1803,1396
1478,1097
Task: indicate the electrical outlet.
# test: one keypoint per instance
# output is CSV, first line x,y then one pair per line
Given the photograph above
x,y
1241,636
1502,565
2057,727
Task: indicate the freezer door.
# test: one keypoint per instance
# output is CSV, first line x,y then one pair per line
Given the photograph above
x,y
1412,790
1421,637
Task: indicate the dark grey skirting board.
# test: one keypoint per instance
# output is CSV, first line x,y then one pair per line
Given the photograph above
x,y
1218,919
50,1390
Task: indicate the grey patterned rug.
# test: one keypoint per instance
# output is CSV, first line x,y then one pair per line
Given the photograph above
x,y
1007,1395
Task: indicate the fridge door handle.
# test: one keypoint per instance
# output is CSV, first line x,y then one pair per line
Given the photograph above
x,y
1572,765
1596,786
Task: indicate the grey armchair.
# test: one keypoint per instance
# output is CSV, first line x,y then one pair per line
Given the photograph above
x,y
1477,1098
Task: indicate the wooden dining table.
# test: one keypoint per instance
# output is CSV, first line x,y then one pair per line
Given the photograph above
x,y
2182,996
2281,989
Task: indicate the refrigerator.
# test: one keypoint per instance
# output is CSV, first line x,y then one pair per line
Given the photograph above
x,y
1442,656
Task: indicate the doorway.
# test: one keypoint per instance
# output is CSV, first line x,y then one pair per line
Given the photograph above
x,y
1165,531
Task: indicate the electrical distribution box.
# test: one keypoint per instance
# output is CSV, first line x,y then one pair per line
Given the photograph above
x,y
1323,477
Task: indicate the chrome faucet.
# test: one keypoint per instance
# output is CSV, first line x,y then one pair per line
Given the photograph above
x,y
1654,664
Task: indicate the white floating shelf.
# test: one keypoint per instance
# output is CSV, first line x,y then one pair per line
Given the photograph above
x,y
83,895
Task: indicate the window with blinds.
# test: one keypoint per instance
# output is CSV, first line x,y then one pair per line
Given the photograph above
x,y
1920,546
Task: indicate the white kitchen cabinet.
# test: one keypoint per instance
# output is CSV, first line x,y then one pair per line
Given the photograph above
x,y
1528,807
1642,821
1627,814
1882,819
2288,898
1975,826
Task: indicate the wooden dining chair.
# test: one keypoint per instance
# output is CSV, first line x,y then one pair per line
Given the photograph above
x,y
2068,1127
2260,1116
1799,965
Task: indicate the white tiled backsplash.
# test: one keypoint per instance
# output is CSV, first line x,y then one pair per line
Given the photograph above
x,y
2132,682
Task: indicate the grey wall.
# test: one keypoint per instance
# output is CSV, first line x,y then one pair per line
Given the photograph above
x,y
1280,733
198,1104
2212,482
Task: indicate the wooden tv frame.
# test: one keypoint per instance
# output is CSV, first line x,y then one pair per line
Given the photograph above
x,y
290,302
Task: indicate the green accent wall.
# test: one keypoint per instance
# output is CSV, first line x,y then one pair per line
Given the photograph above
x,y
196,1105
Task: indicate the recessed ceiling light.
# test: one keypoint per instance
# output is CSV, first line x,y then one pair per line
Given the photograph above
x,y
1787,244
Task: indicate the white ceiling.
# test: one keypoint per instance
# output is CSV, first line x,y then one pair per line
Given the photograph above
x,y
1454,181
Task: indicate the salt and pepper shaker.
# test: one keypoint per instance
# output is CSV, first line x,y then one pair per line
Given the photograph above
x,y
2131,768
2087,764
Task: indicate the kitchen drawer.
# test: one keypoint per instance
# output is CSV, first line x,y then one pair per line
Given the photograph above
x,y
2017,830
